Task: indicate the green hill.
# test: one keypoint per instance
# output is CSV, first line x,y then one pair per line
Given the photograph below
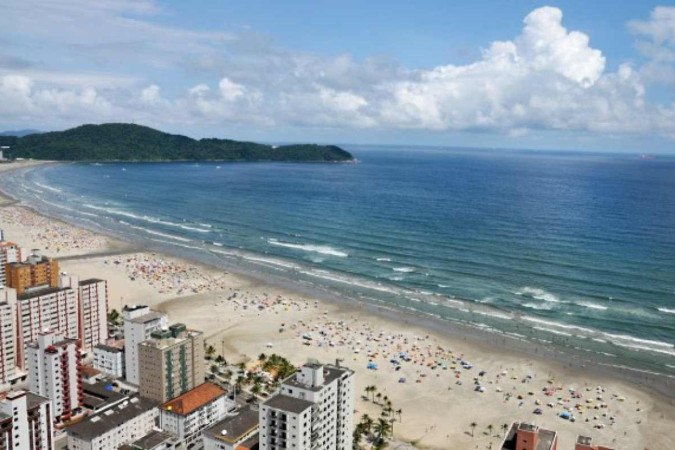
x,y
128,142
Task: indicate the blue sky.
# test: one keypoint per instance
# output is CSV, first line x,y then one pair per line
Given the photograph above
x,y
575,74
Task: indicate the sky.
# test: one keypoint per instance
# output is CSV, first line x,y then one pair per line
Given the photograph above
x,y
575,75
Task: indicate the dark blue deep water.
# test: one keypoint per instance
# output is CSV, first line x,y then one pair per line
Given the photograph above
x,y
575,250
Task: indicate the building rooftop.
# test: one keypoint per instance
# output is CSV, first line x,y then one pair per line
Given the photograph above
x,y
38,291
152,440
108,348
194,399
90,281
109,419
545,441
330,374
288,403
100,395
149,317
162,339
233,429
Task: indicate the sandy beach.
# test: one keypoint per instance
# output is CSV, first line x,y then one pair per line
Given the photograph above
x,y
243,317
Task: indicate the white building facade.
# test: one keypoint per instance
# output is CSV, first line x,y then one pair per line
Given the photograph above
x,y
314,409
45,309
26,422
54,371
9,253
187,415
8,355
139,323
109,360
92,299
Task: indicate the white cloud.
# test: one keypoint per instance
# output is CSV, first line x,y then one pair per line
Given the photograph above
x,y
545,78
657,43
229,90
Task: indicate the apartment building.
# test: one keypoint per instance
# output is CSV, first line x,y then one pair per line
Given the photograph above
x,y
9,253
92,299
45,308
171,363
36,271
25,421
188,414
8,350
139,323
313,409
109,360
114,427
527,436
54,371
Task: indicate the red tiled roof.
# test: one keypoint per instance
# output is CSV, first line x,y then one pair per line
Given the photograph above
x,y
194,399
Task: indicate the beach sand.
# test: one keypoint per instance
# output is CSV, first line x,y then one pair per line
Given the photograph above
x,y
243,317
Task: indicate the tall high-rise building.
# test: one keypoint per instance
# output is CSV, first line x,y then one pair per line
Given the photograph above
x,y
171,363
8,353
36,271
26,422
9,253
92,300
40,309
314,409
139,323
55,371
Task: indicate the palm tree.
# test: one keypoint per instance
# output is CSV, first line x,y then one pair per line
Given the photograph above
x,y
367,423
382,429
358,436
399,412
370,390
262,357
255,390
113,316
378,395
473,426
210,351
490,428
505,427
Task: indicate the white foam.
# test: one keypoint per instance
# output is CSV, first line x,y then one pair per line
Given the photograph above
x,y
156,233
667,310
383,259
592,306
540,306
647,348
200,230
323,249
50,188
539,294
558,325
496,315
550,330
403,269
624,337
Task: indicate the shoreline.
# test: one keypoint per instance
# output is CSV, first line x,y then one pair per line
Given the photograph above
x,y
504,346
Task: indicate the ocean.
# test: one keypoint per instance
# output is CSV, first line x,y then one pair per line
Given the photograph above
x,y
573,251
